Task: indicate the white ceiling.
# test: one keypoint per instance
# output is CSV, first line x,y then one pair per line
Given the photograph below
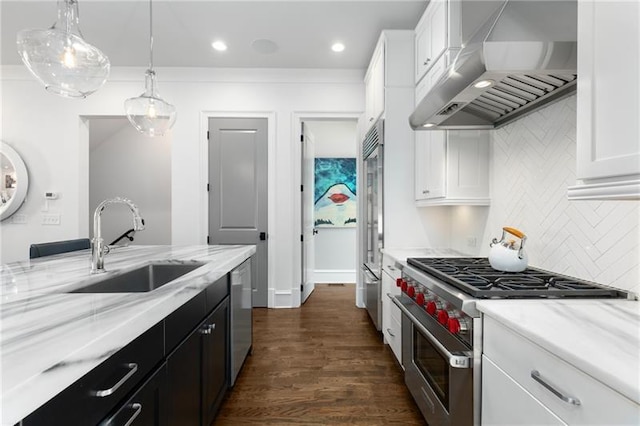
x,y
184,30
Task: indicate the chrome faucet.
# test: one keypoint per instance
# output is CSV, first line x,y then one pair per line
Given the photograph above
x,y
98,247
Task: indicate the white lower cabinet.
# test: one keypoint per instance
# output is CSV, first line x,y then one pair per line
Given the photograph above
x,y
391,316
451,167
505,402
521,380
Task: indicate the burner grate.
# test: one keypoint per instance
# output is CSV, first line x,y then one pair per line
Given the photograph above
x,y
476,277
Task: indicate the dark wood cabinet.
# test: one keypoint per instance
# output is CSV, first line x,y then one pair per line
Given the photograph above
x,y
147,406
175,374
215,361
91,398
198,371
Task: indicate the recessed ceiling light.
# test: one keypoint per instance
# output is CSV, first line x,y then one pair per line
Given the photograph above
x,y
337,47
219,45
483,83
427,125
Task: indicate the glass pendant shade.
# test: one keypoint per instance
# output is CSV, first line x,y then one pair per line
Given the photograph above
x,y
60,58
149,113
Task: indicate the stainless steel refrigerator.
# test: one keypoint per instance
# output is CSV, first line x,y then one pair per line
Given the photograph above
x,y
373,160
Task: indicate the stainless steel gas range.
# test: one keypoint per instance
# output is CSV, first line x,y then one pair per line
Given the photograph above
x,y
442,329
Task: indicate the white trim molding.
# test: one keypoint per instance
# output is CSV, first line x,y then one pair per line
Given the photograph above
x,y
620,190
334,276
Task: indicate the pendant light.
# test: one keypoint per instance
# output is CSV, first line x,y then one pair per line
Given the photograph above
x,y
149,113
60,58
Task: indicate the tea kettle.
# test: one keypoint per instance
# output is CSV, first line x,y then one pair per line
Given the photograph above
x,y
506,255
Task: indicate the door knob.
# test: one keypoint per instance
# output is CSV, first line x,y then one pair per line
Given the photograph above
x,y
263,236
315,231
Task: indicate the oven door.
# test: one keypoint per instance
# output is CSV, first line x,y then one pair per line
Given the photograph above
x,y
438,367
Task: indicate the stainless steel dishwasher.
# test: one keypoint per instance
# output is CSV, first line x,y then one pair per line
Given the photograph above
x,y
241,316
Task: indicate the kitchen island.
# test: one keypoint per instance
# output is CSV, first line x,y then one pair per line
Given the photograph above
x,y
50,338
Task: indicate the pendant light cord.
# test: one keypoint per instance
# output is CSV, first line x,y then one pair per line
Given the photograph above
x,y
151,35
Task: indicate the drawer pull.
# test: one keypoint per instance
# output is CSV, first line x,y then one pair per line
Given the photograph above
x,y
138,407
390,333
207,329
391,268
535,375
133,367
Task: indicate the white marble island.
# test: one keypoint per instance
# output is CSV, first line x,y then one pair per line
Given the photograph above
x,y
50,338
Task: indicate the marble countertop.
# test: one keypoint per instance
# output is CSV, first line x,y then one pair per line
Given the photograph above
x,y
50,338
599,337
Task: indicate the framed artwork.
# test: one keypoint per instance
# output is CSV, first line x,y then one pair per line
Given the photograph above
x,y
335,193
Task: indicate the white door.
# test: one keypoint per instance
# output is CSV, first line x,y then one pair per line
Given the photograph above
x,y
308,230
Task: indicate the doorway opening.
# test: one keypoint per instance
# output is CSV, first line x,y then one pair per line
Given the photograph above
x,y
328,171
125,163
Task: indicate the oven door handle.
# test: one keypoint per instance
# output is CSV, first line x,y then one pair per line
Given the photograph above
x,y
371,279
456,359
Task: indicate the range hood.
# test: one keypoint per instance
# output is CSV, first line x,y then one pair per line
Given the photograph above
x,y
522,58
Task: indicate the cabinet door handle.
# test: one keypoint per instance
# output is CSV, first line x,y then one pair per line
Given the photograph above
x,y
425,191
132,366
138,407
207,329
370,118
427,61
390,333
535,375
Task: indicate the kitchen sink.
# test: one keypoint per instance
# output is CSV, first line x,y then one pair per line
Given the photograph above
x,y
145,278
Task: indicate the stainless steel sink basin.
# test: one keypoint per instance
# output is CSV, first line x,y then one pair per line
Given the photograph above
x,y
146,278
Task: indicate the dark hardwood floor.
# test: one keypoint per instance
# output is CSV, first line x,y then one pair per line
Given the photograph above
x,y
322,364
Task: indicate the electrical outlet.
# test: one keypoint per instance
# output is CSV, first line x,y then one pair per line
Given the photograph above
x,y
51,219
472,241
19,218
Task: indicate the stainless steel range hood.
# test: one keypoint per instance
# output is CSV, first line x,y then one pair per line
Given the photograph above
x,y
527,54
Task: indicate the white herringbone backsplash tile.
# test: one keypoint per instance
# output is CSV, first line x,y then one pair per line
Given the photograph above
x,y
534,161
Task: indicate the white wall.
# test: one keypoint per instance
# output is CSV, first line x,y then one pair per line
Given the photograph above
x,y
533,163
335,249
51,134
125,163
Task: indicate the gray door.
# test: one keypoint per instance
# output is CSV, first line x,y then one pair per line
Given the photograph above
x,y
238,190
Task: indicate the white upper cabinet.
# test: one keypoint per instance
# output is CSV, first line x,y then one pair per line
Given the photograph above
x,y
608,108
374,86
431,36
452,167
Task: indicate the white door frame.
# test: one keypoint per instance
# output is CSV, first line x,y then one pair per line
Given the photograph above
x,y
204,178
296,125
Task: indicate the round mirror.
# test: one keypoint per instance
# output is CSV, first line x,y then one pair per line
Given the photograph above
x,y
14,183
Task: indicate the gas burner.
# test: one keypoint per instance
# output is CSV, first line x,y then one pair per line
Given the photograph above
x,y
475,281
476,277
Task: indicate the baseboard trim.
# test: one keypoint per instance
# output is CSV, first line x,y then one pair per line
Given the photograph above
x,y
334,276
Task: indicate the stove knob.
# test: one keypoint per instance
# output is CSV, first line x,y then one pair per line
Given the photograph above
x,y
404,286
420,299
399,282
411,291
443,317
433,306
453,325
